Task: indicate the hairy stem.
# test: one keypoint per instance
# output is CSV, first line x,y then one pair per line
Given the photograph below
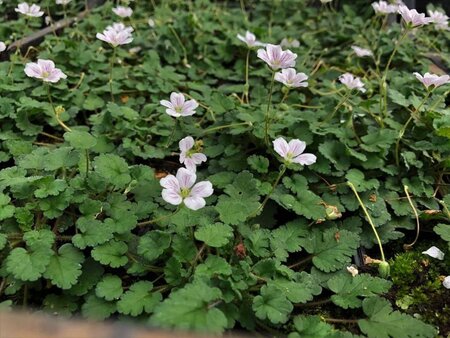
x,y
269,103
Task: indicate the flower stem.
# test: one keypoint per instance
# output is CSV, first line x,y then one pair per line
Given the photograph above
x,y
383,85
155,220
185,59
369,219
342,102
409,246
280,175
172,133
286,94
61,123
405,126
111,66
227,126
247,85
269,103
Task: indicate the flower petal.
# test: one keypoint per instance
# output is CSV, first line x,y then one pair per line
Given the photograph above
x,y
186,144
296,147
170,182
171,197
194,203
186,178
435,253
281,146
305,159
202,189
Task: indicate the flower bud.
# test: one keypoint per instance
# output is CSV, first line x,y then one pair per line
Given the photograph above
x,y
332,212
284,106
59,110
384,269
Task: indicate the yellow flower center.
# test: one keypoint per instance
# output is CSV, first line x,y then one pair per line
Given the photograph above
x,y
185,192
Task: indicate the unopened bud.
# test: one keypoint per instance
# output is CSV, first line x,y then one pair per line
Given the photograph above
x,y
332,212
384,269
59,110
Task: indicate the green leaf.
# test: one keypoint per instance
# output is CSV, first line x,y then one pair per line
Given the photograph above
x,y
6,210
93,232
215,235
310,327
360,182
111,253
97,308
109,288
28,265
385,323
301,290
213,266
192,307
39,239
3,241
91,274
259,163
65,267
241,201
153,244
138,299
287,239
113,169
442,230
349,290
332,249
80,139
272,305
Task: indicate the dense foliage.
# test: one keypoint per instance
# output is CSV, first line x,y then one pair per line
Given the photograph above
x,y
83,226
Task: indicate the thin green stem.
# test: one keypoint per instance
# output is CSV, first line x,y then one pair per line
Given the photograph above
x,y
111,66
269,104
408,246
245,97
227,126
87,162
185,59
369,219
340,104
172,133
405,126
286,94
61,123
261,207
156,220
383,84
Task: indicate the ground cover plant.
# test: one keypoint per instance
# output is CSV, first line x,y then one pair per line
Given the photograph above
x,y
279,167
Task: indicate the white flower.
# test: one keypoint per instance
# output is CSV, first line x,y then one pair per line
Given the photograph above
x,y
178,106
412,17
181,188
352,82
2,46
188,156
439,19
291,79
432,79
123,12
250,39
44,70
276,58
446,282
361,52
63,2
382,7
292,152
151,22
26,9
352,270
288,42
117,34
434,252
